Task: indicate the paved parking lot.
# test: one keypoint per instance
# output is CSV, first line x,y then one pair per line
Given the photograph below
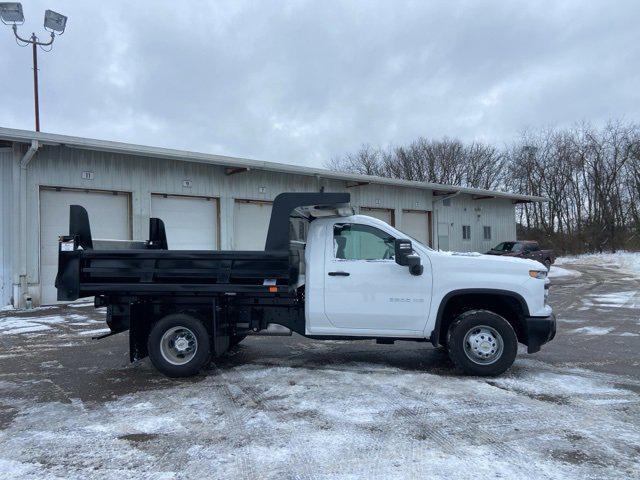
x,y
289,407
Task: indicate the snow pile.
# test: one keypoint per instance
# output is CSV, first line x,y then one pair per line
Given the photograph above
x,y
557,272
628,262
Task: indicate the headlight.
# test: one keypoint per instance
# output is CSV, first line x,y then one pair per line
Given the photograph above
x,y
541,274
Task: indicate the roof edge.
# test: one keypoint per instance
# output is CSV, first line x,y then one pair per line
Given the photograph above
x,y
17,135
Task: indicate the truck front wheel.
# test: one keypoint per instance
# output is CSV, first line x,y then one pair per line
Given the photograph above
x,y
482,343
178,345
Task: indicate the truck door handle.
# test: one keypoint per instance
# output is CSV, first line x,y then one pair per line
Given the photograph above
x,y
339,274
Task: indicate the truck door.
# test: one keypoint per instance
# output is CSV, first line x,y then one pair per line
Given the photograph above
x,y
532,251
366,291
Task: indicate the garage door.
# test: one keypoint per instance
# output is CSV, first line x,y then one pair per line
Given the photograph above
x,y
416,224
250,224
384,214
191,223
108,215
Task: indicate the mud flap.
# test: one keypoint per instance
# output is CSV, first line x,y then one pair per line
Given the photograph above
x,y
539,330
220,329
139,329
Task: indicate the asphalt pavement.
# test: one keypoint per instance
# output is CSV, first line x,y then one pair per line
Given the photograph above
x,y
58,385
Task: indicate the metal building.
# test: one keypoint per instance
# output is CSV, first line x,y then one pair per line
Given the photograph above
x,y
206,201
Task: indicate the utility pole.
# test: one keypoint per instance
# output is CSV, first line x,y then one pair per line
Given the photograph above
x,y
36,102
34,44
11,14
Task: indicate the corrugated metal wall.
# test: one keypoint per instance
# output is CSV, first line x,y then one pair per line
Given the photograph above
x,y
6,212
499,214
60,166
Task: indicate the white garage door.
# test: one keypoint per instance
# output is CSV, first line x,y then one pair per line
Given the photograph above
x,y
384,214
416,224
191,223
250,224
108,215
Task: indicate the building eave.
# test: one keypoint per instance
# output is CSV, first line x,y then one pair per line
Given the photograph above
x,y
244,164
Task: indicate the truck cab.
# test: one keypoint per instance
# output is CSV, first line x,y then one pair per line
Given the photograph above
x,y
348,276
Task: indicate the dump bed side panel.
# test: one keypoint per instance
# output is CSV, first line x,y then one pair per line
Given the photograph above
x,y
84,273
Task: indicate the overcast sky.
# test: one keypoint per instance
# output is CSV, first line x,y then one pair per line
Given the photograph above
x,y
303,81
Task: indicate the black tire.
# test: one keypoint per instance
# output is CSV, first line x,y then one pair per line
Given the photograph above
x,y
184,326
465,358
236,339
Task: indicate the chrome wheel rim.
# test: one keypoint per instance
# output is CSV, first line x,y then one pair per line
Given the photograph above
x,y
178,345
483,345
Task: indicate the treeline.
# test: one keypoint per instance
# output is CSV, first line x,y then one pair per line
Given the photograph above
x,y
591,176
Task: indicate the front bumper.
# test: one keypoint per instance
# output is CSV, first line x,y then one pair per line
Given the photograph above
x,y
538,331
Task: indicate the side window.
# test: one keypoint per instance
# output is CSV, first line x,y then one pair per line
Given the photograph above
x,y
466,232
487,233
352,241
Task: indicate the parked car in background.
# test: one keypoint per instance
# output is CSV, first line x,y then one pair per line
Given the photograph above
x,y
525,249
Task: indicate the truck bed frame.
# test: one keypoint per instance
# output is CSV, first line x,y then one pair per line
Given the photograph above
x,y
232,292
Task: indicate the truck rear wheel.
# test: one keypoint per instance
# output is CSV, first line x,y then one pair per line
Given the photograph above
x,y
482,343
178,345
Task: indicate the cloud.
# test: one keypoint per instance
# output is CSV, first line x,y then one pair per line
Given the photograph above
x,y
303,81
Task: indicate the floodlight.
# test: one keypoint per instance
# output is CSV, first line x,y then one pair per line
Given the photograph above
x,y
54,21
11,12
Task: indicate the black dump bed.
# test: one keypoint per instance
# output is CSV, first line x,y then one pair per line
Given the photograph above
x,y
150,269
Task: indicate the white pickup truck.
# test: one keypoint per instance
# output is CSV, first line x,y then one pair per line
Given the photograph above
x,y
338,275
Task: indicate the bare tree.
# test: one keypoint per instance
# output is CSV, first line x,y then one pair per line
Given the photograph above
x,y
591,176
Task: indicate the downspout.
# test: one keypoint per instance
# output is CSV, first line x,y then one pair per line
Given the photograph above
x,y
24,297
435,215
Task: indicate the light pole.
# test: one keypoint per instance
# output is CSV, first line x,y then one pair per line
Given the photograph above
x,y
11,14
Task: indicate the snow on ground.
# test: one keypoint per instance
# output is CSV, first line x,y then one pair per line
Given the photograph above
x,y
573,326
557,272
9,308
592,330
628,262
16,325
96,332
352,420
34,324
627,299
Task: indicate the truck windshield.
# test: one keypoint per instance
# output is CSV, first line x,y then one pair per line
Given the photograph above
x,y
508,247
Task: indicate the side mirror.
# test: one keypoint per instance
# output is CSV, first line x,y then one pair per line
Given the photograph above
x,y
406,257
